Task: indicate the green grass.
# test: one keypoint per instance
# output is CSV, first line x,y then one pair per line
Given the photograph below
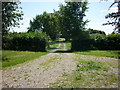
x,y
50,62
53,46
89,65
89,74
61,39
101,53
68,45
11,58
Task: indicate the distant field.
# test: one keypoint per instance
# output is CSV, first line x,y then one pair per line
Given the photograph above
x,y
101,53
10,58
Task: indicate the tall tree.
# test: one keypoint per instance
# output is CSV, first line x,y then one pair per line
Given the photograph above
x,y
73,25
46,22
11,15
114,18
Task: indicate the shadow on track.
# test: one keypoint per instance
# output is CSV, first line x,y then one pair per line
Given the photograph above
x,y
63,51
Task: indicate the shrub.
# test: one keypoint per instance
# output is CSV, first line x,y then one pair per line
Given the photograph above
x,y
109,42
32,41
83,43
6,42
98,41
113,42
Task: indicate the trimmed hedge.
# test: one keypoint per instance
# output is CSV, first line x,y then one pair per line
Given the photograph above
x,y
97,42
33,41
113,42
109,42
84,44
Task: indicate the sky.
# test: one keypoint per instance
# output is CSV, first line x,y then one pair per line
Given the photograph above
x,y
95,14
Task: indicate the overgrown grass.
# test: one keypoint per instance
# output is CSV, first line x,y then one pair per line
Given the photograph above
x,y
11,58
90,74
101,53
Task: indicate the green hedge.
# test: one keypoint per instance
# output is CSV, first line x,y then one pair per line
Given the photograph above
x,y
109,42
33,41
84,44
97,42
113,42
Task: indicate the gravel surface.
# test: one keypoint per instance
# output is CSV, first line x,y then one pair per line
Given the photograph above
x,y
47,69
35,75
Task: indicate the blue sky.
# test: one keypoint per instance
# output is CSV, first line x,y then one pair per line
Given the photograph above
x,y
95,14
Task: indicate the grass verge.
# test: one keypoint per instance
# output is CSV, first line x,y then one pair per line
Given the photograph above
x,y
101,53
11,58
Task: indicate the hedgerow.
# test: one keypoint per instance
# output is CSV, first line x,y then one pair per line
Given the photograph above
x,y
32,41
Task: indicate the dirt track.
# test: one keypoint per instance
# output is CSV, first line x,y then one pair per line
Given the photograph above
x,y
41,72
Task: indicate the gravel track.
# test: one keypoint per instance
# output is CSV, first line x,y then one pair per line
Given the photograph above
x,y
35,75
47,69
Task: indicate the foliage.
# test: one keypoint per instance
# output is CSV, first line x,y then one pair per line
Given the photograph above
x,y
11,58
97,36
82,43
11,14
102,42
113,42
33,41
46,22
72,22
92,31
114,18
98,41
71,18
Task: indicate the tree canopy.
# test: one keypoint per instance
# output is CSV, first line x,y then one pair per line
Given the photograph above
x,y
46,22
114,18
72,19
11,15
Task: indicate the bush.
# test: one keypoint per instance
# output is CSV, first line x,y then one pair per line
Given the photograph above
x,y
33,41
113,42
109,42
98,41
83,43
